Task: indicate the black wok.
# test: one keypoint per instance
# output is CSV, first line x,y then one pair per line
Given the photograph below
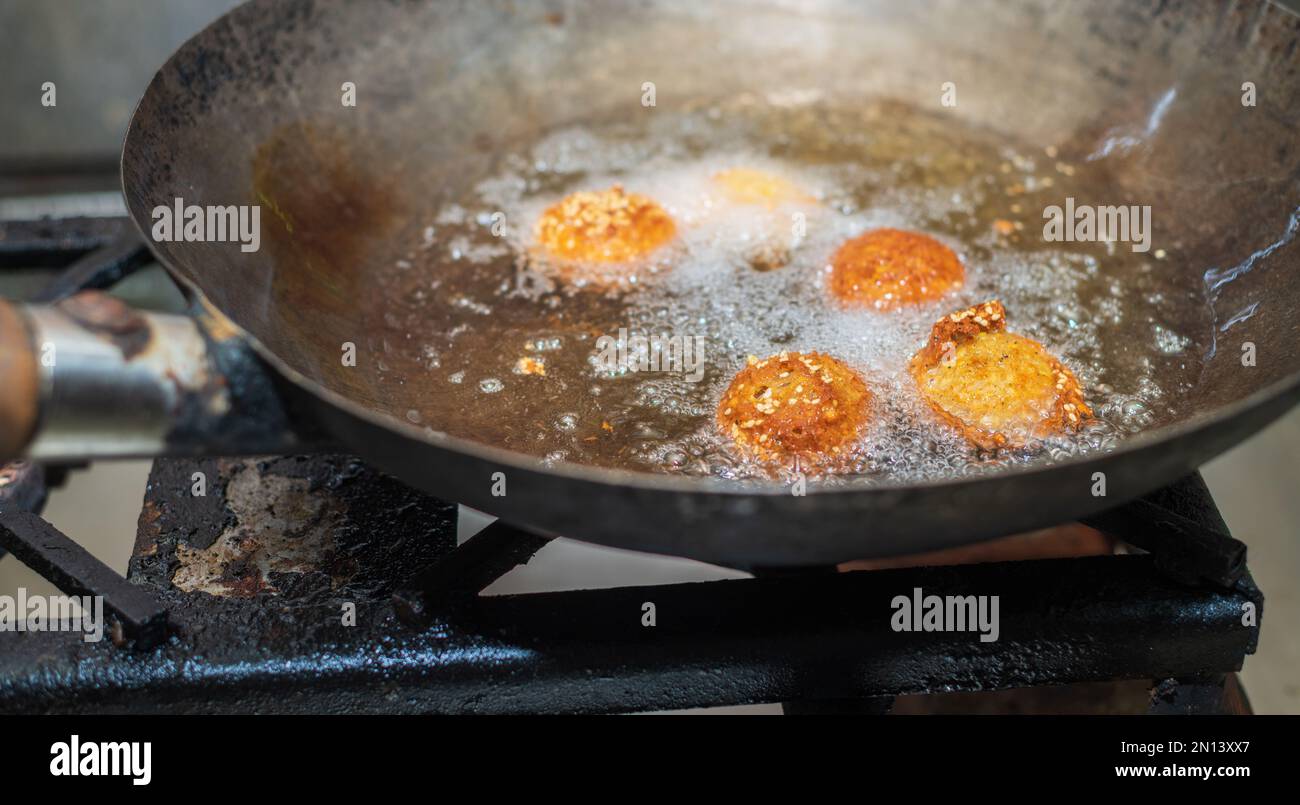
x,y
253,102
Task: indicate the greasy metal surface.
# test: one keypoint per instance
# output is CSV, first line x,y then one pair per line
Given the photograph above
x,y
728,642
265,413
283,647
469,569
53,242
98,270
110,319
115,381
125,383
350,531
1191,543
446,83
137,618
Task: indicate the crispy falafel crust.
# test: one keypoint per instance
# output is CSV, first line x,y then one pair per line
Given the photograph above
x,y
806,405
606,226
887,269
978,396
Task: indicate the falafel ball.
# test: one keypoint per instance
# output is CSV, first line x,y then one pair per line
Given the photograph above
x,y
998,389
752,186
808,405
606,226
886,269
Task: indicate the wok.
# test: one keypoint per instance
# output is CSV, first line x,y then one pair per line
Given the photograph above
x,y
444,87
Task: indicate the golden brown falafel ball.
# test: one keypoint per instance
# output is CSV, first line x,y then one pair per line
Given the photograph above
x,y
607,226
795,404
998,389
751,186
886,269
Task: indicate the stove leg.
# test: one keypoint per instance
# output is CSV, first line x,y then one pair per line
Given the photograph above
x,y
1199,695
861,706
867,706
466,571
141,620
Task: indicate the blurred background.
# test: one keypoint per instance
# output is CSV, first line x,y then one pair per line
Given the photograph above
x,y
62,160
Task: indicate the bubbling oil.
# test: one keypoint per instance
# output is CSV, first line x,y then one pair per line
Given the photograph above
x,y
482,337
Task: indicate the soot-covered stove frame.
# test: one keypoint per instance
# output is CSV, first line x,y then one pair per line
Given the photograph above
x,y
273,637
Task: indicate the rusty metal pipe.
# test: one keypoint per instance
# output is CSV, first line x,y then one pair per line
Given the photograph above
x,y
92,378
